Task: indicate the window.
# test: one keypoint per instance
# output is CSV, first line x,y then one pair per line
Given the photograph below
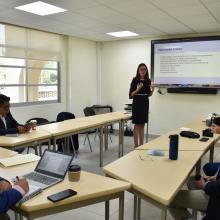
x,y
28,81
30,64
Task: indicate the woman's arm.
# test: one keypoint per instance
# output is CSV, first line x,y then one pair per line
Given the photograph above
x,y
151,89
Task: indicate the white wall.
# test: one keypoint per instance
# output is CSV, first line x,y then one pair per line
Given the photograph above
x,y
119,62
81,80
78,83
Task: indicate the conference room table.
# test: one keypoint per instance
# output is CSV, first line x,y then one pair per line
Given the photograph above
x,y
32,138
158,179
70,127
91,189
186,144
154,179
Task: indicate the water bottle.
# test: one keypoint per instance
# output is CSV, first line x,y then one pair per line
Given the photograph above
x,y
174,143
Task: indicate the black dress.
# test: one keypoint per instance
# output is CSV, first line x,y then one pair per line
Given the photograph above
x,y
140,105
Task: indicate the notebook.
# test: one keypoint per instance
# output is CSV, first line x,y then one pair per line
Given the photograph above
x,y
19,159
33,191
6,153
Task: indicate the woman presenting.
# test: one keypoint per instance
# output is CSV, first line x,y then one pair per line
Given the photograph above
x,y
140,90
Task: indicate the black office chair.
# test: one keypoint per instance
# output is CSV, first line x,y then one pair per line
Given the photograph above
x,y
73,140
89,111
40,121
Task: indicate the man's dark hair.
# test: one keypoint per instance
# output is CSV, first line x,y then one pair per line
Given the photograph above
x,y
3,99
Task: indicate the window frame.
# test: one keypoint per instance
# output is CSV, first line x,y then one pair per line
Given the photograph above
x,y
27,85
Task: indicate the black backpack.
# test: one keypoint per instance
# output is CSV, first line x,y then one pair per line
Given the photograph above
x,y
128,131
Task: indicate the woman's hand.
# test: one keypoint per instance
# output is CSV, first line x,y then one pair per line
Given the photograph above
x,y
139,86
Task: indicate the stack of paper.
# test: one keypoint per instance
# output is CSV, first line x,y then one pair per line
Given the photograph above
x,y
19,159
7,153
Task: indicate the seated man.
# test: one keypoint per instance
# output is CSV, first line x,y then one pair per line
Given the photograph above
x,y
211,169
206,199
10,195
8,125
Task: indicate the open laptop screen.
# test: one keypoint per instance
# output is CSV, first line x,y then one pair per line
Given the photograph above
x,y
54,164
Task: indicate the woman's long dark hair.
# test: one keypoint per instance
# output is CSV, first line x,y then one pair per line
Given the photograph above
x,y
138,74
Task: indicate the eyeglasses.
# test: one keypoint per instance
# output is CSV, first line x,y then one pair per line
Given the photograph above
x,y
147,158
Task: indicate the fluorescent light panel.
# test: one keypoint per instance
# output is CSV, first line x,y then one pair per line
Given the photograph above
x,y
122,34
40,8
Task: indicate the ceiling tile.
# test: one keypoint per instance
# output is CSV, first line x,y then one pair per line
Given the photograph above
x,y
213,6
203,18
132,6
151,16
115,20
187,10
142,29
173,3
209,27
97,12
73,5
171,26
68,17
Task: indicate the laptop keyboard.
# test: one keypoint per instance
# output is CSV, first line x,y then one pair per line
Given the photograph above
x,y
40,178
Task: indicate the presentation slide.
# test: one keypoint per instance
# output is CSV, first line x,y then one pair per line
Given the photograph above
x,y
187,63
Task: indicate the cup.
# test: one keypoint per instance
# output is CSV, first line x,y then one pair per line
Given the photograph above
x,y
74,172
174,144
33,124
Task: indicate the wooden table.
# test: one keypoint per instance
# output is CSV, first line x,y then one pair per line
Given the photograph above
x,y
185,144
80,125
90,189
155,179
35,137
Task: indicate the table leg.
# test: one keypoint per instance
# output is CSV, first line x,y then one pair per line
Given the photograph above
x,y
107,210
135,207
16,216
122,138
121,207
119,140
163,214
40,149
49,144
211,153
198,167
101,147
106,137
139,208
54,143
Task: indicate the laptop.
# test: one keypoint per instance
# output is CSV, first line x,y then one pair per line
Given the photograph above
x,y
50,170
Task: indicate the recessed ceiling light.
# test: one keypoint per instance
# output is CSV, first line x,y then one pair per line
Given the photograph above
x,y
122,34
40,8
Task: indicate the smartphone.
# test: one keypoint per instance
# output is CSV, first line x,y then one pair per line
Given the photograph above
x,y
204,139
62,195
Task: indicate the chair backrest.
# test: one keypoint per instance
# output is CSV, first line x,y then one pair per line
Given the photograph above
x,y
62,116
88,111
40,121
